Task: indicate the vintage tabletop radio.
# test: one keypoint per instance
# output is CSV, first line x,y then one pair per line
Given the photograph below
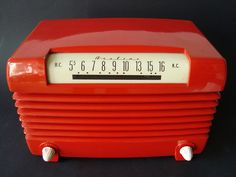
x,y
116,87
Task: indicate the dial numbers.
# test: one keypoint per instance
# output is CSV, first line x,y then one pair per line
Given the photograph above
x,y
117,68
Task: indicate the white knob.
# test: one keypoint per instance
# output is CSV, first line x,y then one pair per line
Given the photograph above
x,y
48,153
186,152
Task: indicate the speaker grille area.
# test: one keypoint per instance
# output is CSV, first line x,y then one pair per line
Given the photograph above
x,y
80,117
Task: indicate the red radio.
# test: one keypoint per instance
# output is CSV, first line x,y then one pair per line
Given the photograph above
x,y
115,88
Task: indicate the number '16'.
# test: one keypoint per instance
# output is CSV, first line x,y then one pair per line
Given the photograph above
x,y
162,66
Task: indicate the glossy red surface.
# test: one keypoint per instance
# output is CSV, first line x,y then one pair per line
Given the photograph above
x,y
27,64
116,120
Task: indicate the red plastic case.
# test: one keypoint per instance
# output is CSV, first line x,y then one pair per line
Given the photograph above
x,y
116,120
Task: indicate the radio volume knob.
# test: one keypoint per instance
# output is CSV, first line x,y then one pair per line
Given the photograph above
x,y
48,153
186,152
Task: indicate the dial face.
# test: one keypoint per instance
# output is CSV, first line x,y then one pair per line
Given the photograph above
x,y
66,68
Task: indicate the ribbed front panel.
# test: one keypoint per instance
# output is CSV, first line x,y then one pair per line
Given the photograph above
x,y
115,116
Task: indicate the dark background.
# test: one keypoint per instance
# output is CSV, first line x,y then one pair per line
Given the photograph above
x,y
216,19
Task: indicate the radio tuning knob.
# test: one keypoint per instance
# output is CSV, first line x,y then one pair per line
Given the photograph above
x,y
186,152
48,153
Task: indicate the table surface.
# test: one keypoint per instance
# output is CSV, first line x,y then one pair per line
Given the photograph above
x,y
216,19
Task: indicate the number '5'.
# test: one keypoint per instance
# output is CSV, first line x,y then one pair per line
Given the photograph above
x,y
71,64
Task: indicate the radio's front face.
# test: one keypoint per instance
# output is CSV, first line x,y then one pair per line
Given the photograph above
x,y
65,68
